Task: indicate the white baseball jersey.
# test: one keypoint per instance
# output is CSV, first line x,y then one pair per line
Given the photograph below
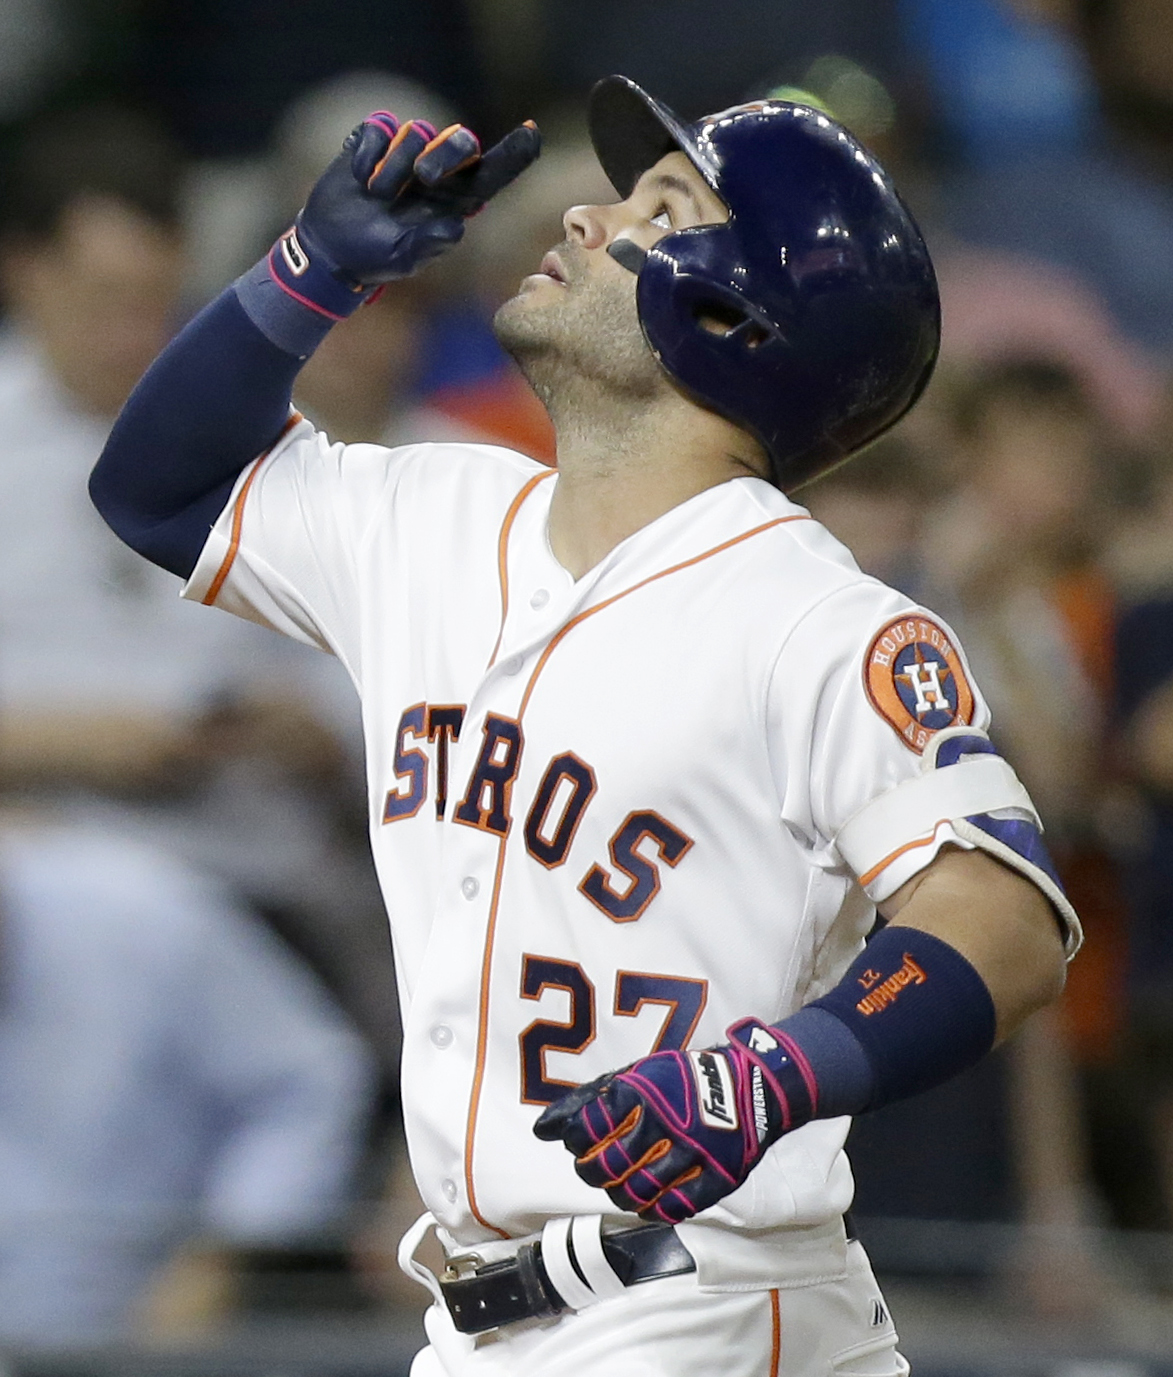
x,y
603,811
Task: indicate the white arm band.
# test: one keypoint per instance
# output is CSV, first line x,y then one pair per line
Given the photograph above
x,y
910,815
916,808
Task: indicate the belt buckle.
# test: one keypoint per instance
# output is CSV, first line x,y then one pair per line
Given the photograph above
x,y
460,1266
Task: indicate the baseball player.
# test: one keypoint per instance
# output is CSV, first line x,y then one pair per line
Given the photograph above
x,y
646,750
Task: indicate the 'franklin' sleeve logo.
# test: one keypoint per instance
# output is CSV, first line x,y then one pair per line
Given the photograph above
x,y
916,681
888,991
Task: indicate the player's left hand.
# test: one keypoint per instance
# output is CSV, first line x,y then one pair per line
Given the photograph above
x,y
675,1132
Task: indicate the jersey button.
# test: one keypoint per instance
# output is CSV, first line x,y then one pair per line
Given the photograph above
x,y
512,665
470,887
540,598
449,1189
441,1035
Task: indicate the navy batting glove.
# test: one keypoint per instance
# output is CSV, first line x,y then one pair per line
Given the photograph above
x,y
675,1132
395,197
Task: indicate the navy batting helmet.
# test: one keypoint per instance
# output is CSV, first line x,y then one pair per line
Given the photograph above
x,y
810,317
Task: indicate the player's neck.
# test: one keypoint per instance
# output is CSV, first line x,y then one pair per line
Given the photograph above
x,y
614,479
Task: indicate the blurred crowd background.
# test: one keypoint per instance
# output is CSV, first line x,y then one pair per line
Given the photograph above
x,y
199,1133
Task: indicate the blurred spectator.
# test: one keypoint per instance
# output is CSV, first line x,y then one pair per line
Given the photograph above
x,y
1034,167
91,265
1142,563
169,1073
112,686
1010,561
876,505
998,305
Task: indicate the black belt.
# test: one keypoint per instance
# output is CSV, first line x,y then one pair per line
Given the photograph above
x,y
519,1288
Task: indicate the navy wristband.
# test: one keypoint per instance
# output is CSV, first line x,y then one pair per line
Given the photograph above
x,y
292,327
909,1013
918,1009
294,299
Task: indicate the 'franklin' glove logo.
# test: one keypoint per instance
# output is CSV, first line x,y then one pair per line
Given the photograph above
x,y
676,1131
715,1092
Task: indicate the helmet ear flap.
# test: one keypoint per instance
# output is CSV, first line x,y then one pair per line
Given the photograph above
x,y
724,313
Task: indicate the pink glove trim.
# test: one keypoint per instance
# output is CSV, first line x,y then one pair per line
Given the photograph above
x,y
385,120
651,1092
297,296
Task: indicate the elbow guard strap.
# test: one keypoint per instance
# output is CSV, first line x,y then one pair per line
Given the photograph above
x,y
966,793
910,1013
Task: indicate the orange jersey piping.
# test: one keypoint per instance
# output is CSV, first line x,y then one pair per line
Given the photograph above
x,y
881,866
503,553
673,569
483,1012
775,1334
238,516
482,1041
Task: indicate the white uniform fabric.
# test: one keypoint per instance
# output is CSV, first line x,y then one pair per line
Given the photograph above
x,y
703,685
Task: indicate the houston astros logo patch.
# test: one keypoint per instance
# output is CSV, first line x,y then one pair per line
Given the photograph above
x,y
916,681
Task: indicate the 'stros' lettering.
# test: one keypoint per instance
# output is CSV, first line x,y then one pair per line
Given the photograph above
x,y
486,801
642,842
439,723
411,768
684,999
566,788
626,904
444,723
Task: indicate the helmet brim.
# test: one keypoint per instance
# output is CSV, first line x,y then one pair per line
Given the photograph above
x,y
631,131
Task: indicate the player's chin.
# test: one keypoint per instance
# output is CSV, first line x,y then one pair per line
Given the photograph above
x,y
523,322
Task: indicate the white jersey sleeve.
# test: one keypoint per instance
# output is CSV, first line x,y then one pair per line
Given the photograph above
x,y
283,552
888,676
292,548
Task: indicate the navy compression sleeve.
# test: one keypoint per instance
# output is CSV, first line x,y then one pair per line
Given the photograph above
x,y
214,399
910,1013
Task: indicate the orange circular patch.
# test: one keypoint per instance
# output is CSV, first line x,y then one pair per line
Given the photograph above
x,y
916,681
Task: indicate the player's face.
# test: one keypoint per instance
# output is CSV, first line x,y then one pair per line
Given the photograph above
x,y
579,307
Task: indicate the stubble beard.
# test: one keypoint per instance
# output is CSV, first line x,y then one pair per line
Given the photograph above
x,y
583,347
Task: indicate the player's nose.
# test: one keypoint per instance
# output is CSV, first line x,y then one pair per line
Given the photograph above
x,y
586,225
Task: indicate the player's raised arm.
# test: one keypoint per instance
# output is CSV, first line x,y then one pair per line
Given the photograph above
x,y
219,395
